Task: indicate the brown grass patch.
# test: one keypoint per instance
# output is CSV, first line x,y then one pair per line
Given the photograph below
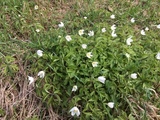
x,y
148,108
19,101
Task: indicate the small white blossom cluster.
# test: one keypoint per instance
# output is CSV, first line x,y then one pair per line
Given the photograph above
x,y
112,16
132,20
113,28
41,74
61,24
103,30
129,41
91,33
68,38
36,7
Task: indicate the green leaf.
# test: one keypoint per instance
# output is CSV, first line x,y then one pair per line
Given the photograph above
x,y
131,117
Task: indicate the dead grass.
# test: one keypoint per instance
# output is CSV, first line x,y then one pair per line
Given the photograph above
x,y
19,100
148,108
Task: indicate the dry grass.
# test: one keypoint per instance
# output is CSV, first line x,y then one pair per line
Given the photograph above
x,y
147,108
19,100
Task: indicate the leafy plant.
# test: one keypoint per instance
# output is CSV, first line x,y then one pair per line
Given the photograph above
x,y
66,64
8,65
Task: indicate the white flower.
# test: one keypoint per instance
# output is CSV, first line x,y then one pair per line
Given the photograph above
x,y
89,54
94,64
84,46
75,111
112,16
158,56
59,36
129,40
132,20
113,27
91,33
103,30
127,55
74,88
61,24
134,75
146,29
114,34
41,74
40,53
81,32
111,104
36,7
85,17
143,32
68,38
158,26
31,79
101,79
37,30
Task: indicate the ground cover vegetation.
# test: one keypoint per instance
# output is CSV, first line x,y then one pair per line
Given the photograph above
x,y
91,59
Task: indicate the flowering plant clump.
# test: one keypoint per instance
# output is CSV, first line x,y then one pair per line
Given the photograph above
x,y
91,74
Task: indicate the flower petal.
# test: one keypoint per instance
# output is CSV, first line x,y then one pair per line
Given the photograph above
x,y
111,104
101,79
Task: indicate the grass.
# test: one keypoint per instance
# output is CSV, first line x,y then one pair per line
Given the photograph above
x,y
18,40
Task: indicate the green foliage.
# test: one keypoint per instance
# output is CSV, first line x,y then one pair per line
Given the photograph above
x,y
65,64
8,66
33,118
2,112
